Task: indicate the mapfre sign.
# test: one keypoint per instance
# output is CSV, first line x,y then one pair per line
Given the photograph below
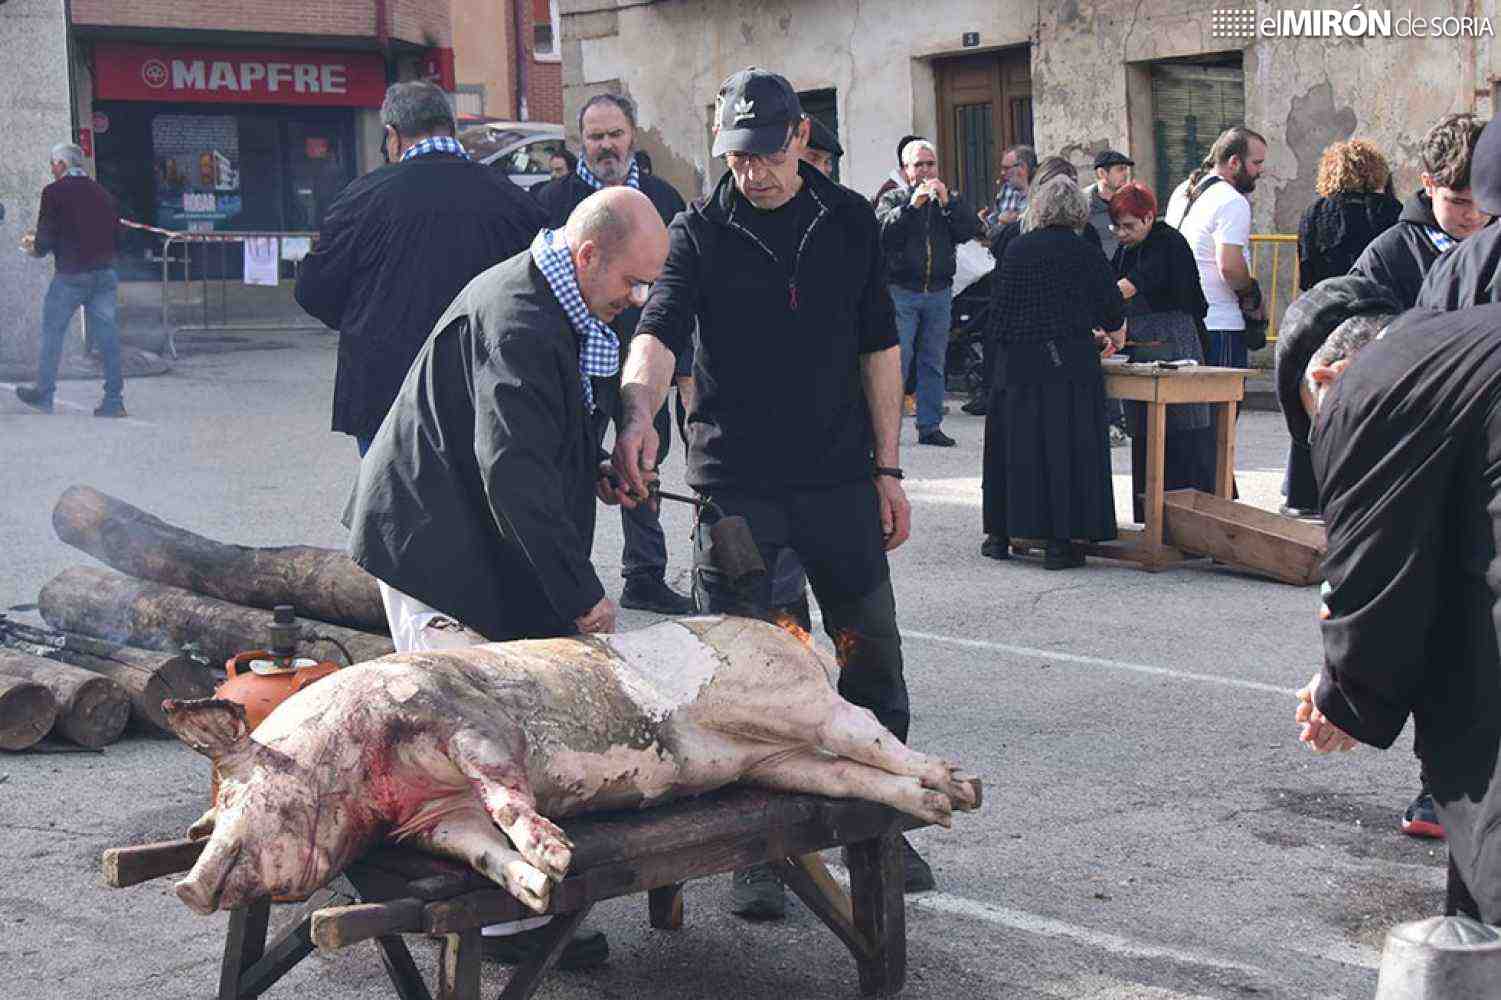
x,y
238,76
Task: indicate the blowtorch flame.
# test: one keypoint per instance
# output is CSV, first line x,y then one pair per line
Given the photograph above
x,y
783,620
845,643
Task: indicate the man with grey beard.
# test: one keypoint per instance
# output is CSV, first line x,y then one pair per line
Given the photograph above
x,y
607,128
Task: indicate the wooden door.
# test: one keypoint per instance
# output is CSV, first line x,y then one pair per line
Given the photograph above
x,y
984,106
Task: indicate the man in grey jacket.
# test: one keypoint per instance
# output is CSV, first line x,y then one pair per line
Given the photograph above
x,y
1112,171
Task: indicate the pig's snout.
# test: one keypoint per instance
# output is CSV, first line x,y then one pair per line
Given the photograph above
x,y
203,887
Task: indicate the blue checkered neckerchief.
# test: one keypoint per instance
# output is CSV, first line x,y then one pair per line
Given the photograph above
x,y
599,348
76,172
1440,239
437,144
1011,199
632,177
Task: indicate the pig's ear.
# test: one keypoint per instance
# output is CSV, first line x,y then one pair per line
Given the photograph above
x,y
212,726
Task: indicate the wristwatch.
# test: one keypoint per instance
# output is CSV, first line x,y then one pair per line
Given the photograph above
x,y
885,470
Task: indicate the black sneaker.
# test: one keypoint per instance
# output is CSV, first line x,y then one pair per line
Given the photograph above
x,y
32,397
936,437
110,408
587,950
918,875
647,593
756,894
1062,555
976,407
1421,818
996,547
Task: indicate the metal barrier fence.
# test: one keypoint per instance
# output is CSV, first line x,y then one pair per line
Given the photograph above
x,y
204,286
1274,262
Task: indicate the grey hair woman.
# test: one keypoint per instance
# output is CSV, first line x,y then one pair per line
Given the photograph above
x,y
1057,202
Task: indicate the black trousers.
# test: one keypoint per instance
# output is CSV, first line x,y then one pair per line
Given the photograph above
x,y
836,534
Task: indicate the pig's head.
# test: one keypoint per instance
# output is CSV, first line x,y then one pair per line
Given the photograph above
x,y
277,831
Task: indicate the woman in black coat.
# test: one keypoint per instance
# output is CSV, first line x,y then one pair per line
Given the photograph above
x,y
1047,454
1353,208
1157,276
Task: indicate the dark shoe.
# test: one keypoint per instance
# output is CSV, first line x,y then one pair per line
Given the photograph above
x,y
756,894
918,875
1301,513
1421,819
647,593
996,547
110,408
587,950
976,407
1062,555
936,436
29,395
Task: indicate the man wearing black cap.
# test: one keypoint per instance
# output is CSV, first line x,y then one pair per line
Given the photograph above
x,y
823,150
1112,171
797,408
1406,444
1468,275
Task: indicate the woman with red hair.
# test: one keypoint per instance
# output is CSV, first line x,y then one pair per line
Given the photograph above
x,y
1166,307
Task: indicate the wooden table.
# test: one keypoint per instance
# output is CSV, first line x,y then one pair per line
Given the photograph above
x,y
1223,389
400,891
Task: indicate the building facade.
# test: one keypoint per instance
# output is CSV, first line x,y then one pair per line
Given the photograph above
x,y
1072,78
224,115
507,59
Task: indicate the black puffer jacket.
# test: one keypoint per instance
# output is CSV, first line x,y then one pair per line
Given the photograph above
x,y
1400,257
918,243
1335,230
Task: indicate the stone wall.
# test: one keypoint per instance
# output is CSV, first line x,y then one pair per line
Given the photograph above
x,y
34,116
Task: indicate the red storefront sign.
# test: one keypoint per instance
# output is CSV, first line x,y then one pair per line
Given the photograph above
x,y
124,72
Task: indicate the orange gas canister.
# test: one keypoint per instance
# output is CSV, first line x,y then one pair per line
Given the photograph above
x,y
260,681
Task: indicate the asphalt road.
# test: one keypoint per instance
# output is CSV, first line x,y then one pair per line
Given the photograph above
x,y
1152,829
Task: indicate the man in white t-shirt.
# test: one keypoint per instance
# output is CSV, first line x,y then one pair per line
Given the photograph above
x,y
1211,211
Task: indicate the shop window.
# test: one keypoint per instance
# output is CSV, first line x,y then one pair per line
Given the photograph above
x,y
545,31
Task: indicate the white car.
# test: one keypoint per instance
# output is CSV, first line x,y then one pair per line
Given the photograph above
x,y
524,150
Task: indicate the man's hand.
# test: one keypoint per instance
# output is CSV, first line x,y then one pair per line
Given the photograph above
x,y
1317,731
28,241
1106,345
920,195
600,618
635,456
939,190
609,488
1006,218
896,512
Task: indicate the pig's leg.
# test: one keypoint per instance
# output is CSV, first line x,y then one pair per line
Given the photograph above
x,y
469,836
853,732
820,774
500,779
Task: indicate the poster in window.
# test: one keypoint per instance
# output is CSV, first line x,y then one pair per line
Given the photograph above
x,y
197,171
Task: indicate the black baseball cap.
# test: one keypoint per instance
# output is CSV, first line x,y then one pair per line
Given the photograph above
x,y
821,137
1110,158
753,110
1485,169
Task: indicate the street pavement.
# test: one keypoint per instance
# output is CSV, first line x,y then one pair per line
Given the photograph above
x,y
1151,828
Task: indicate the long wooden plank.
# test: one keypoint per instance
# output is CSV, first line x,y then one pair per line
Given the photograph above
x,y
291,946
336,927
125,866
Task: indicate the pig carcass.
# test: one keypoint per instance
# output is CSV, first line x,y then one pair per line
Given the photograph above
x,y
472,753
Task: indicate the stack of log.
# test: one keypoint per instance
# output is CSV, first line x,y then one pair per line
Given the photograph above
x,y
175,607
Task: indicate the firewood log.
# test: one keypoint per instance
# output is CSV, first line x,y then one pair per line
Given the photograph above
x,y
91,710
108,605
27,712
319,583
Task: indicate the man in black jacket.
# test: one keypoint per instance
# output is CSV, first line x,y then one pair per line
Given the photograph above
x,y
797,415
398,244
1407,450
1471,275
1434,219
475,504
921,224
607,123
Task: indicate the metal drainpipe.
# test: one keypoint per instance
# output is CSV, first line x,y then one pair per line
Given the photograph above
x,y
519,17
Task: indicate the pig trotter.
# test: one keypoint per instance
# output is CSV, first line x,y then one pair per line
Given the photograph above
x,y
507,796
820,774
203,826
469,836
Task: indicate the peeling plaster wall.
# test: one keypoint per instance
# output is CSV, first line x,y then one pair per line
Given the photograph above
x,y
1302,93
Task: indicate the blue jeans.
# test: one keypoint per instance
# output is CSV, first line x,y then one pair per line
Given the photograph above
x,y
1227,349
95,291
922,325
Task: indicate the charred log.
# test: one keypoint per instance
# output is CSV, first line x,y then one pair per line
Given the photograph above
x,y
27,712
320,583
108,605
91,710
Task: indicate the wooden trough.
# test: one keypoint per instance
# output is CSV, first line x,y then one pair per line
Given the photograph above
x,y
1247,537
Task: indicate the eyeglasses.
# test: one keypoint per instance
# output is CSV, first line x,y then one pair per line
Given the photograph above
x,y
772,159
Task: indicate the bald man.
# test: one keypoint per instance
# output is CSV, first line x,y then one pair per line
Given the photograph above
x,y
475,503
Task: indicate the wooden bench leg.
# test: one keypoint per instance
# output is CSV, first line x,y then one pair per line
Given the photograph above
x,y
876,878
244,944
557,934
400,967
458,966
807,877
665,907
294,944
